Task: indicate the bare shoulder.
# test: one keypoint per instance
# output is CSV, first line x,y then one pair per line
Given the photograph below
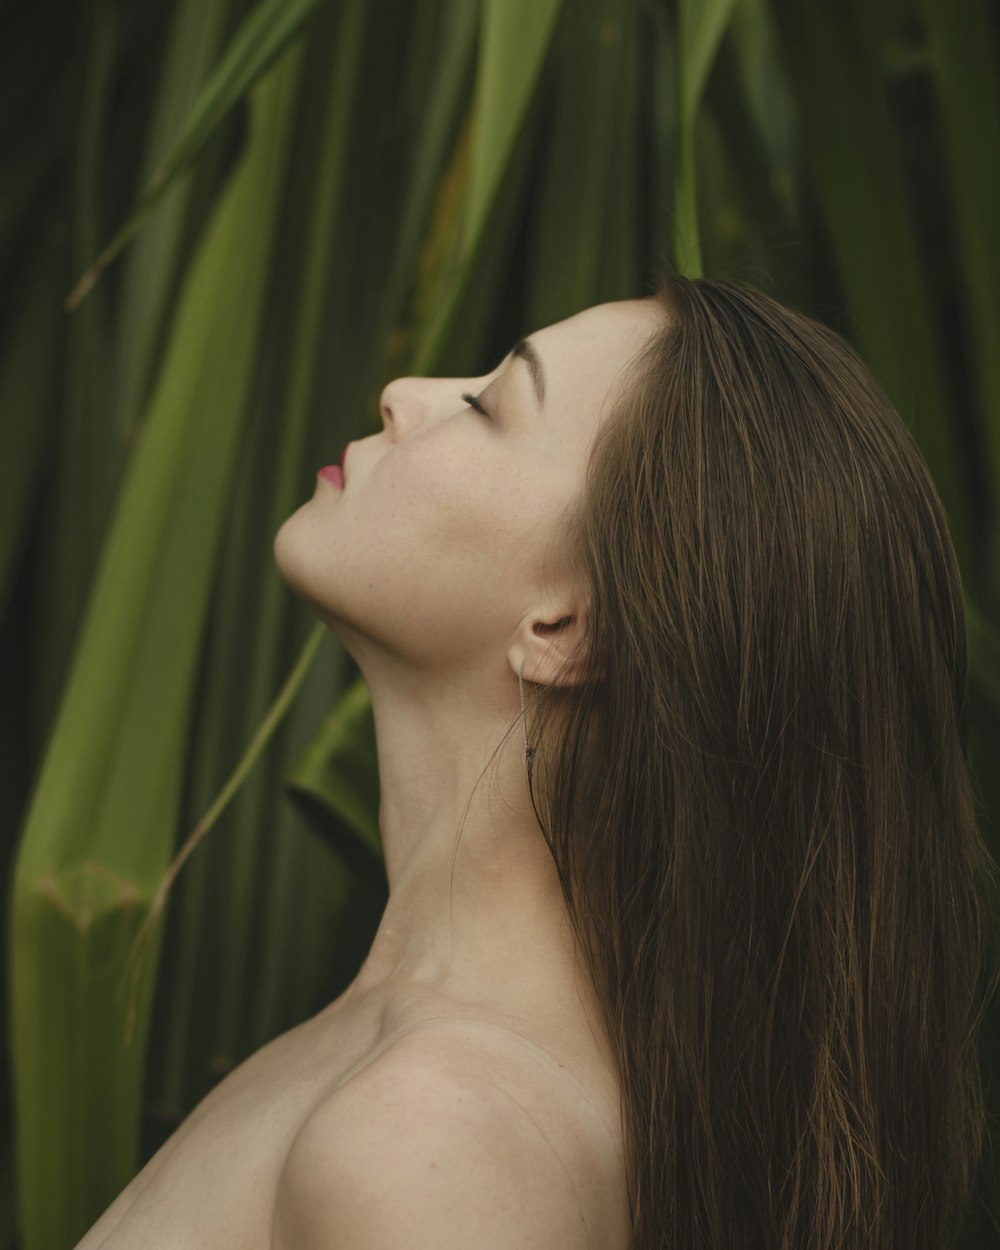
x,y
444,1140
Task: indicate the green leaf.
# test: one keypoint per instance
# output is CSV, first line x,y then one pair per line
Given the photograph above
x,y
700,27
853,158
514,36
585,174
26,393
984,652
966,69
336,786
150,275
102,817
261,38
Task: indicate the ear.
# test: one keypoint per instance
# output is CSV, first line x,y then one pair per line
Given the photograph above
x,y
545,640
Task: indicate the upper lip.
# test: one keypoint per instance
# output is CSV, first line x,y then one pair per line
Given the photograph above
x,y
343,459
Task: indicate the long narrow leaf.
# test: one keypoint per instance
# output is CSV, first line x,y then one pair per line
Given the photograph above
x,y
592,52
700,26
150,273
514,37
336,784
853,157
103,814
261,38
26,392
967,77
85,466
446,73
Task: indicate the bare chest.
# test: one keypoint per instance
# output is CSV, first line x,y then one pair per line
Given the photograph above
x,y
214,1182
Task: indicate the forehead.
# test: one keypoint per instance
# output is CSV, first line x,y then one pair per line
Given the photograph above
x,y
583,355
623,324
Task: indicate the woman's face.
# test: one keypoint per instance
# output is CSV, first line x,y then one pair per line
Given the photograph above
x,y
433,548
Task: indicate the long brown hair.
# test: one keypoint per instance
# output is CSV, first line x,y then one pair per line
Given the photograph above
x,y
760,806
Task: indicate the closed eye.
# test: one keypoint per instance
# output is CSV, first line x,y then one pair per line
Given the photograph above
x,y
473,402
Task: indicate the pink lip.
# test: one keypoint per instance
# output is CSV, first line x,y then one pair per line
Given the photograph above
x,y
335,472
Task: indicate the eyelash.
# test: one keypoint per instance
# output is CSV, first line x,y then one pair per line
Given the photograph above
x,y
473,402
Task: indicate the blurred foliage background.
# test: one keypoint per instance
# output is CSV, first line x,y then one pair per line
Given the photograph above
x,y
305,199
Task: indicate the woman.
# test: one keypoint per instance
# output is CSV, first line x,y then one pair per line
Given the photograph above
x,y
687,918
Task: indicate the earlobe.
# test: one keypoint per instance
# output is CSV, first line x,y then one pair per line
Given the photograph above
x,y
560,624
546,648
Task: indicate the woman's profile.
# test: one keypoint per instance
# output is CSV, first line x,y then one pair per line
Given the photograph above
x,y
688,933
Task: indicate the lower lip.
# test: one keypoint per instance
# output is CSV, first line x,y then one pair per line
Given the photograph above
x,y
333,473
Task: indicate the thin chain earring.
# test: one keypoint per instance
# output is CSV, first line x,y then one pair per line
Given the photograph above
x,y
529,752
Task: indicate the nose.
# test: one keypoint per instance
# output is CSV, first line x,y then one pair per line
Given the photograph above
x,y
393,405
406,403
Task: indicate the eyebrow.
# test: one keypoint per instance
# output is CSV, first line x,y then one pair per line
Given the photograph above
x,y
526,351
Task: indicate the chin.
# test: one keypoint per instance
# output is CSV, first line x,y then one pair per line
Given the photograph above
x,y
303,572
291,555
283,548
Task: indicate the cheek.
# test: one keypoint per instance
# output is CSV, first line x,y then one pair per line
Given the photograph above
x,y
449,569
468,511
433,554
441,497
